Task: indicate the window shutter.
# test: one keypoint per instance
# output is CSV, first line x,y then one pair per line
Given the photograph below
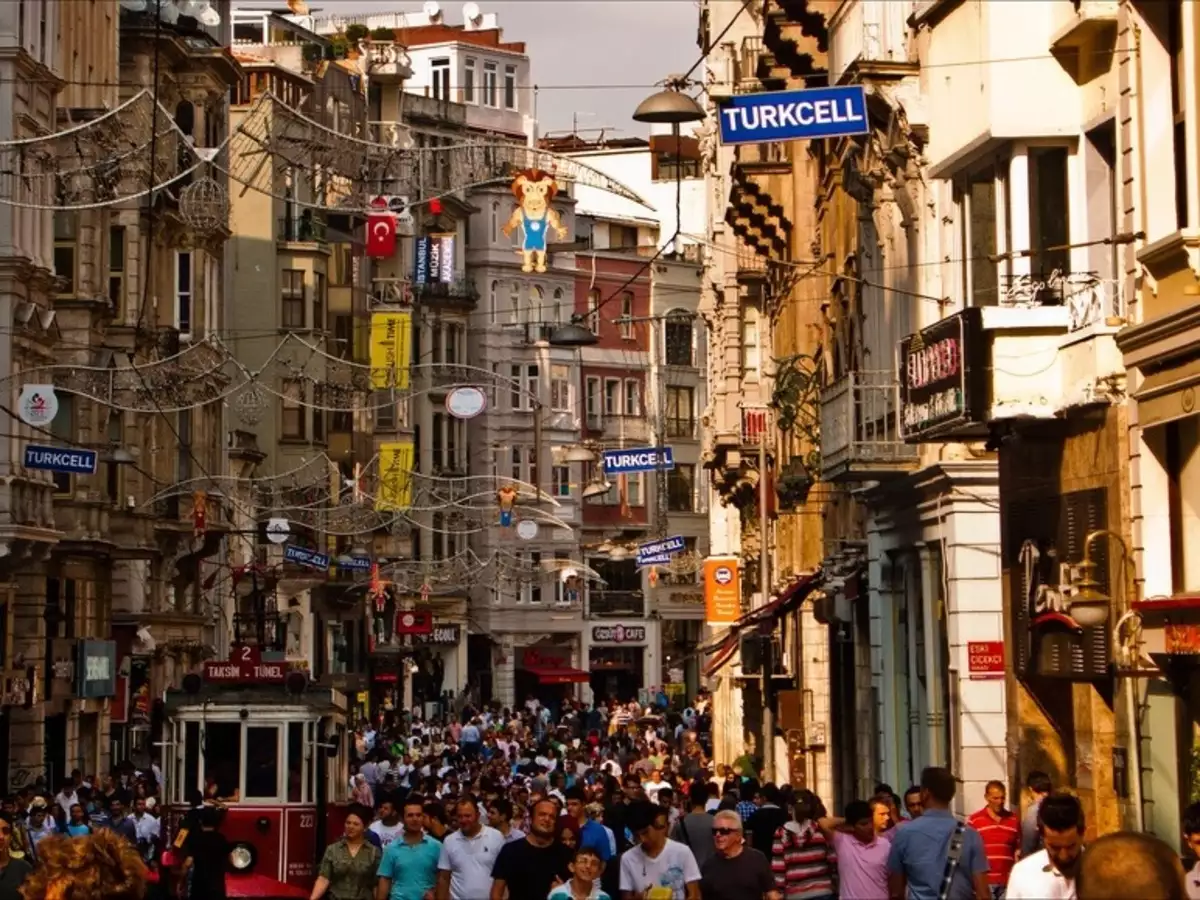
x,y
1034,519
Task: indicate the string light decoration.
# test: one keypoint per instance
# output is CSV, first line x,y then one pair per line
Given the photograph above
x,y
204,207
100,161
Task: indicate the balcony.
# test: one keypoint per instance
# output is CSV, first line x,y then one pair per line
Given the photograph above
x,y
630,430
432,109
1082,33
461,292
447,374
870,38
751,265
305,229
616,604
389,134
388,62
860,437
391,292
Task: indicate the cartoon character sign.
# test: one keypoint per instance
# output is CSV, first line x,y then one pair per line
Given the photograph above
x,y
534,189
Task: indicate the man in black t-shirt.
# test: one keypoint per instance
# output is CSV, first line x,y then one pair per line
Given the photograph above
x,y
735,871
207,855
13,872
531,867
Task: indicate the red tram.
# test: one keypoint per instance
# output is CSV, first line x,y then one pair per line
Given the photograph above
x,y
274,755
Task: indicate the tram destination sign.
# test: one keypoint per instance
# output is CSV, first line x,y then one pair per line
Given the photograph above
x,y
245,664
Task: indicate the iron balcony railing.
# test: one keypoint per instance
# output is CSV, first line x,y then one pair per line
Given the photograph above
x,y
616,604
458,292
860,438
302,230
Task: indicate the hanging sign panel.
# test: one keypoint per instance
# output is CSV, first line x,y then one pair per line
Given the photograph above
x,y
793,115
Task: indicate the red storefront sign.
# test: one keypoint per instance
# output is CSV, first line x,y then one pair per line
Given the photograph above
x,y
545,658
985,660
415,621
244,664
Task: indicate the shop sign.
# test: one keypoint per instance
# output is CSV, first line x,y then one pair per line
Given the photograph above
x,y
939,385
985,660
618,634
63,669
96,669
722,590
20,689
545,658
441,636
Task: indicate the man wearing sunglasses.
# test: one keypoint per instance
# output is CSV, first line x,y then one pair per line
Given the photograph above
x,y
657,868
736,872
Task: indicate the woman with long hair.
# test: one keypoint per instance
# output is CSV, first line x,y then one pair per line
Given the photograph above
x,y
347,870
98,866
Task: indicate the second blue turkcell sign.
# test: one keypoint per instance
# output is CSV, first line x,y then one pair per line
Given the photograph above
x,y
794,115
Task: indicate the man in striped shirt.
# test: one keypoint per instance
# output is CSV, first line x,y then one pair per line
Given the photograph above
x,y
1001,832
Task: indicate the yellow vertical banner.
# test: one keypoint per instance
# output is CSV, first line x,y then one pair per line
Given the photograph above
x,y
391,350
395,475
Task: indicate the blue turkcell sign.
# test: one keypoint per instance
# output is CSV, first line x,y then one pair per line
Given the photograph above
x,y
305,557
644,459
356,563
660,560
793,115
649,553
56,459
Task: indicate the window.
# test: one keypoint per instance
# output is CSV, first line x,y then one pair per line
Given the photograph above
x,y
262,762
468,87
439,81
1049,216
560,481
318,304
516,470
343,335
537,304
750,349
116,267
212,294
612,397
977,218
1178,110
291,286
183,291
535,586
592,393
681,415
514,304
558,305
560,388
65,230
439,445
183,462
492,307
593,310
524,391
622,237
489,84
681,488
678,332
635,494
293,410
633,398
296,751
669,167
112,471
510,87
63,428
532,387
627,315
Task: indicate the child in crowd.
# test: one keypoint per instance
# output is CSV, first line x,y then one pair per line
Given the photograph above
x,y
585,878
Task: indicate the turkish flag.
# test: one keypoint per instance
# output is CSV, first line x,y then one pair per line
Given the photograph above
x,y
381,235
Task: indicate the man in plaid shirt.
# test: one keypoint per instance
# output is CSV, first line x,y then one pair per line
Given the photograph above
x,y
746,806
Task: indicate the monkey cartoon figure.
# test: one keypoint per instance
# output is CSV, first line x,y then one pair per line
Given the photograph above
x,y
534,189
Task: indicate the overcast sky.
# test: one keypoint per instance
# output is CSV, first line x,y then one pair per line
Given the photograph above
x,y
580,42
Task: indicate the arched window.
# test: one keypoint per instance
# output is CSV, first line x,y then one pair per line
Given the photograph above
x,y
560,314
593,312
678,334
537,304
493,308
514,304
627,315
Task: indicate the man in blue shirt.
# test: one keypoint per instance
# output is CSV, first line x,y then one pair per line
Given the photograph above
x,y
408,870
918,863
591,833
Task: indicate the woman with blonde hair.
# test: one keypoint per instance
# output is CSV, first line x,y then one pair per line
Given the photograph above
x,y
98,866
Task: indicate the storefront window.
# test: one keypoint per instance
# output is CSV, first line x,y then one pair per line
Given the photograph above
x,y
262,762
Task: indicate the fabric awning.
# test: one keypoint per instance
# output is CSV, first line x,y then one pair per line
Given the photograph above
x,y
555,675
722,646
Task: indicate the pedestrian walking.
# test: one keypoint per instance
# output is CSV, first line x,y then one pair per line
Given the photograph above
x,y
1049,873
348,866
408,869
468,856
656,868
1000,830
735,871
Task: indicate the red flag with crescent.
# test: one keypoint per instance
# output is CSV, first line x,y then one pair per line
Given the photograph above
x,y
381,230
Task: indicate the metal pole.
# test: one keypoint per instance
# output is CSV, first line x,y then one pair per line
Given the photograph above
x,y
537,448
764,571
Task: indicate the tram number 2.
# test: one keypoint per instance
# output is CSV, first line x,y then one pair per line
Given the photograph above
x,y
307,820
247,654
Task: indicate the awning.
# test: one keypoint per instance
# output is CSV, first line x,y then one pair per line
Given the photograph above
x,y
552,675
722,646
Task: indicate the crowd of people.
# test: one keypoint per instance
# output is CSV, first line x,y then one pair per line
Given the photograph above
x,y
618,803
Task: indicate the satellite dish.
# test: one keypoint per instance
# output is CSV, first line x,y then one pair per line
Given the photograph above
x,y
433,10
472,13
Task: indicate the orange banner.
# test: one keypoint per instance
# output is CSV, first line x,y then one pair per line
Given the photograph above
x,y
722,590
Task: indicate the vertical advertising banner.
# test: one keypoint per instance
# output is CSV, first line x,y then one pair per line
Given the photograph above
x,y
434,259
722,590
391,350
395,476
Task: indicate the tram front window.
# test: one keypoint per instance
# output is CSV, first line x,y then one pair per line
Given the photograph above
x,y
222,750
262,762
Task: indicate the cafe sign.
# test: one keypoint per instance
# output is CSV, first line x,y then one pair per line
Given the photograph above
x,y
440,636
96,669
619,634
941,383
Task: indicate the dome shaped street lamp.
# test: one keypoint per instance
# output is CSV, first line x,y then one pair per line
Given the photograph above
x,y
573,334
670,106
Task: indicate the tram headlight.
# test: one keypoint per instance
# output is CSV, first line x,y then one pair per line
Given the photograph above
x,y
242,857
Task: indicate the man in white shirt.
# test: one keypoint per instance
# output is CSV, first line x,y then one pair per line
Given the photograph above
x,y
1049,874
657,863
388,826
465,865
